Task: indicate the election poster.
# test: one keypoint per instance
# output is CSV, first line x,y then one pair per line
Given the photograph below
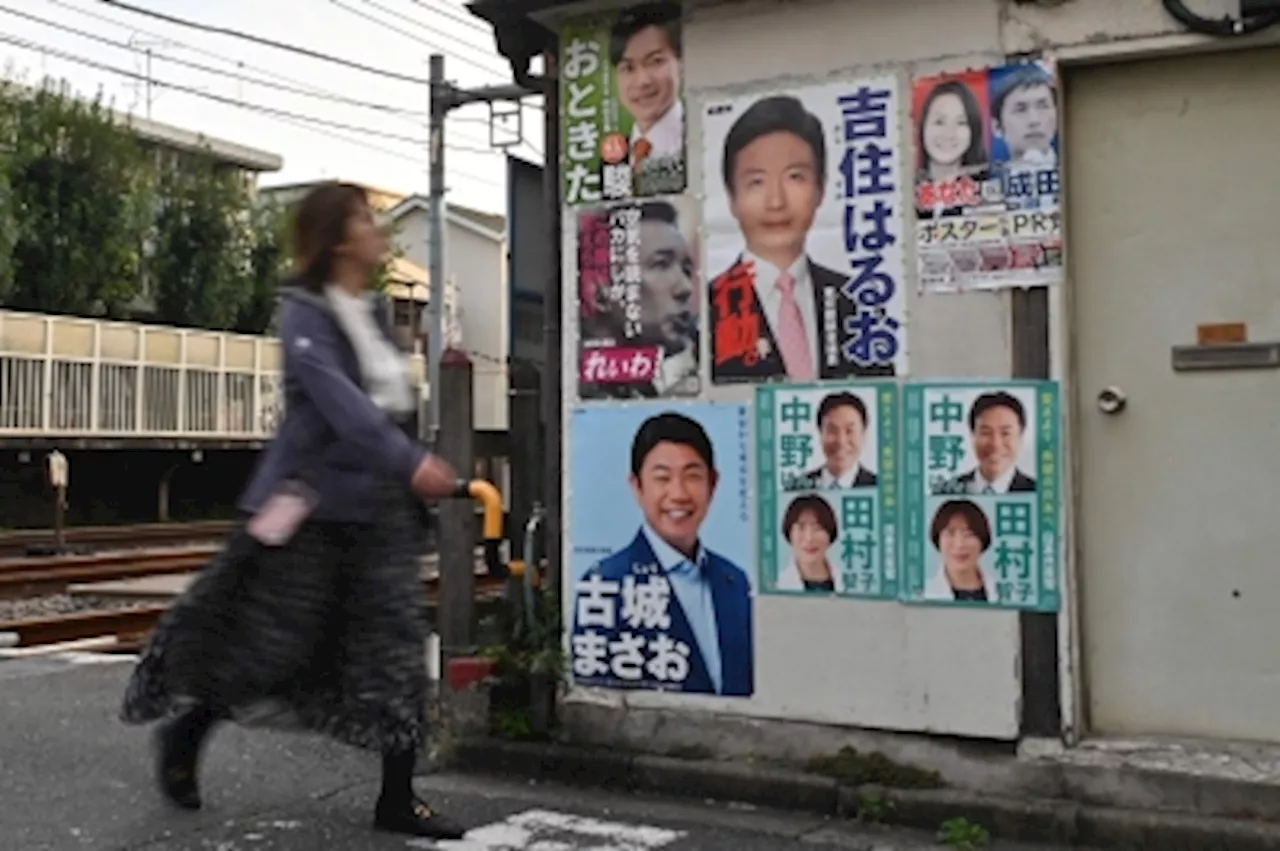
x,y
827,486
805,230
982,495
622,104
660,553
987,183
638,305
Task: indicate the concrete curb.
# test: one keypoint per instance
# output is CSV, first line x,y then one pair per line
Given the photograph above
x,y
1024,820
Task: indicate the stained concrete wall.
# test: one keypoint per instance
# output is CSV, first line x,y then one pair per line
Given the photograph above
x,y
919,670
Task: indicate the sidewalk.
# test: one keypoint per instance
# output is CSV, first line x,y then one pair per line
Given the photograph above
x,y
1114,795
73,778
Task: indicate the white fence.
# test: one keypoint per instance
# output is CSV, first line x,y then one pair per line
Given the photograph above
x,y
65,376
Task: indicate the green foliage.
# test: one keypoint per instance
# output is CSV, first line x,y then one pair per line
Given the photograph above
x,y
201,264
89,213
532,654
963,834
853,768
77,205
875,807
268,263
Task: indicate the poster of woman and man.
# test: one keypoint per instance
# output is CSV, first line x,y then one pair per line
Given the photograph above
x,y
665,569
987,179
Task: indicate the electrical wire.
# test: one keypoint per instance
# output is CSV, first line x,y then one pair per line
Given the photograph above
x,y
266,42
164,84
223,72
296,119
303,121
490,53
414,38
454,16
184,46
297,90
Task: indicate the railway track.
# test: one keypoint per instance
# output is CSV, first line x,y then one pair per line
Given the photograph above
x,y
125,630
26,577
23,542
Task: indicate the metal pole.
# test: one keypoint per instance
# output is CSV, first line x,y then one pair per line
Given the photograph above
x,y
435,307
551,327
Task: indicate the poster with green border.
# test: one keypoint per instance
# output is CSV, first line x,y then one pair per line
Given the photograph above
x,y
622,104
827,486
982,494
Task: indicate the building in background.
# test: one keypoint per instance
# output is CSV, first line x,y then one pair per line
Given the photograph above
x,y
476,298
1156,626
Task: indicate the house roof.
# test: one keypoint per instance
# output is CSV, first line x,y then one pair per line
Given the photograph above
x,y
488,225
179,138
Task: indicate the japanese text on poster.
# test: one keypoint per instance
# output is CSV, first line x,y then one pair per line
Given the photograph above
x,y
987,182
982,495
638,306
828,489
660,546
622,104
805,234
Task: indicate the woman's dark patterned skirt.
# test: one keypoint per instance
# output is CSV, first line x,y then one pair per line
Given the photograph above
x,y
325,634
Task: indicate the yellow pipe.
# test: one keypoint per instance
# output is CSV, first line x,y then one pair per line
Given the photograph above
x,y
488,496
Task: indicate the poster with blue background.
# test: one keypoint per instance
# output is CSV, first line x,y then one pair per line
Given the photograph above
x,y
660,552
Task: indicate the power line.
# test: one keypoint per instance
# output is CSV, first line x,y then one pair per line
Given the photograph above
x,y
266,42
453,16
297,90
489,53
414,38
30,45
305,121
300,89
182,45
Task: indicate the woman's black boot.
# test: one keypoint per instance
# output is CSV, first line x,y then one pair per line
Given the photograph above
x,y
178,758
400,810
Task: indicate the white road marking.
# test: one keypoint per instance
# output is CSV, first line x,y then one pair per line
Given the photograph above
x,y
545,830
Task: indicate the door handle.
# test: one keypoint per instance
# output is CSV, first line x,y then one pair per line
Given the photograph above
x,y
1112,401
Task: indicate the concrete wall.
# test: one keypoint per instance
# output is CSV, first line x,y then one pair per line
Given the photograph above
x,y
922,670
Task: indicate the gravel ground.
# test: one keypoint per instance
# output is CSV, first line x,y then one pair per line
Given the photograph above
x,y
63,604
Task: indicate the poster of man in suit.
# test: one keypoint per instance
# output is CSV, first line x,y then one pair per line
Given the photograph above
x,y
638,302
827,489
660,549
982,494
804,218
622,91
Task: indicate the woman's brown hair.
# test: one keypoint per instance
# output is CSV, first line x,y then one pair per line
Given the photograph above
x,y
320,226
816,505
968,511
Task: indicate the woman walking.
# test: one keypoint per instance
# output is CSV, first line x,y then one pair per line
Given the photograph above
x,y
312,611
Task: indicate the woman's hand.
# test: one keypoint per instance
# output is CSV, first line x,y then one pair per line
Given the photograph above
x,y
434,478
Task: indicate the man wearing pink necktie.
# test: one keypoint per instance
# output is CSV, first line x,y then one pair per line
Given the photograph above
x,y
774,169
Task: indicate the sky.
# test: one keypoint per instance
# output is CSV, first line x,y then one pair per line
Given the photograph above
x,y
385,143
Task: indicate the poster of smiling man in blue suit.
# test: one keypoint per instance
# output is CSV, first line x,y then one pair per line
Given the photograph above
x,y
660,531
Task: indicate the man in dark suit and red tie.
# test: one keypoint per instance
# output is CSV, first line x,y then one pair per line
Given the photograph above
x,y
771,310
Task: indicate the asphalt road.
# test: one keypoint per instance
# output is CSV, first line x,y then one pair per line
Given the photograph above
x,y
72,778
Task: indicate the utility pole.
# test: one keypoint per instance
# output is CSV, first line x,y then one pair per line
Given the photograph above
x,y
446,97
435,305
